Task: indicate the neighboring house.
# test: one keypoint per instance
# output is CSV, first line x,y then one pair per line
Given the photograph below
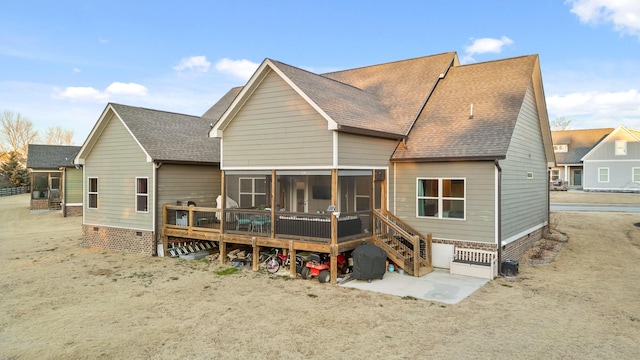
x,y
457,151
570,146
614,163
134,161
56,182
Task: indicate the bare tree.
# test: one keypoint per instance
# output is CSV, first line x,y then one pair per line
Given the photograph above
x,y
16,132
560,123
56,135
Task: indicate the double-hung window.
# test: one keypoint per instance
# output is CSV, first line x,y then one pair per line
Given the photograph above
x,y
253,192
635,177
92,193
142,194
441,198
603,175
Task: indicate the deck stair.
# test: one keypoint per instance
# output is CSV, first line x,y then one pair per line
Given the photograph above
x,y
55,204
400,240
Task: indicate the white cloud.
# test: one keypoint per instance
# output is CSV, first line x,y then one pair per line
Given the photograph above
x,y
196,63
87,93
76,70
623,14
611,107
241,68
118,88
485,45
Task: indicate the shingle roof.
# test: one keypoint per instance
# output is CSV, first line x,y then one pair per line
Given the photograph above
x,y
347,105
167,136
579,143
401,87
445,130
50,156
219,107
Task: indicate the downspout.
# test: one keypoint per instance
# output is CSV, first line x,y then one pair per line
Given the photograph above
x,y
499,215
155,209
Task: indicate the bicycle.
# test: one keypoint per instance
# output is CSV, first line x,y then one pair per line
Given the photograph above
x,y
274,261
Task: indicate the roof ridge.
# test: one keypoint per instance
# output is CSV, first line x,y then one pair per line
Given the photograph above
x,y
389,62
498,60
156,110
320,75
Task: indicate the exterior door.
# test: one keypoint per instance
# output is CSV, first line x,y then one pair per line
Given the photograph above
x,y
299,195
54,186
577,177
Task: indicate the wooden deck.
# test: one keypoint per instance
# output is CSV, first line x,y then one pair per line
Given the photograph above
x,y
293,232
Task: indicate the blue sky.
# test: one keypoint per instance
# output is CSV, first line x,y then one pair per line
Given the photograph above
x,y
62,61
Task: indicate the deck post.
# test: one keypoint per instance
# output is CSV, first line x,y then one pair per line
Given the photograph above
x,y
272,227
223,204
334,227
223,250
292,260
255,251
165,243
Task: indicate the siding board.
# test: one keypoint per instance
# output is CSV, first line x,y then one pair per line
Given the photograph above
x,y
524,201
116,160
264,133
479,224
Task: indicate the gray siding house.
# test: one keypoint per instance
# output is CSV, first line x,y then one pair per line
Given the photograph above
x,y
56,182
614,163
457,151
570,146
134,161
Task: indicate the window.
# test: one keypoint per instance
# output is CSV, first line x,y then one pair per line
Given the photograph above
x,y
92,193
142,194
253,192
603,174
441,198
529,175
555,174
560,148
636,175
621,147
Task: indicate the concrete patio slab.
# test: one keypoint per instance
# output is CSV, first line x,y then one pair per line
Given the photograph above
x,y
439,285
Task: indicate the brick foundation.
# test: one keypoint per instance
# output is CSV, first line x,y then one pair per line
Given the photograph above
x,y
515,249
127,240
39,204
467,244
71,211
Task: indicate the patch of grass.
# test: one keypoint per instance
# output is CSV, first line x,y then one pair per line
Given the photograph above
x,y
173,278
507,285
227,271
409,297
312,295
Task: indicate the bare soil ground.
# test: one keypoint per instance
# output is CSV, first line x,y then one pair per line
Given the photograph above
x,y
62,301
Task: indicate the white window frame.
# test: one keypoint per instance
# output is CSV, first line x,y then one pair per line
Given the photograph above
x,y
440,198
253,192
139,194
92,193
621,147
635,174
600,174
561,148
555,174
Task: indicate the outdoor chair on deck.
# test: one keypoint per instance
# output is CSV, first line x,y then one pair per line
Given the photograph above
x,y
243,222
260,223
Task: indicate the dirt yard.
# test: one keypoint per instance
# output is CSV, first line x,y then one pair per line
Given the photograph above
x,y
62,301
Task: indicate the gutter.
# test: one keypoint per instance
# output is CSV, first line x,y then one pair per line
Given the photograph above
x,y
499,215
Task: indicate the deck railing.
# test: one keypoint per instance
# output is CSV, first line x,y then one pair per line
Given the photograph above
x,y
253,222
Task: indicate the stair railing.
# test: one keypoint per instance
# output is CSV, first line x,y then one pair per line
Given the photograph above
x,y
395,236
